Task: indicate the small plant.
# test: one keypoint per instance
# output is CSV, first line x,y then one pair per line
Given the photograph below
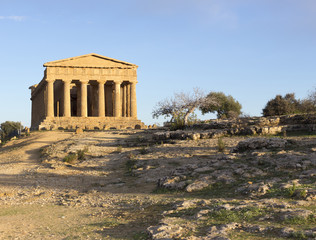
x,y
119,149
131,156
299,235
140,236
81,154
284,133
291,190
303,194
220,145
143,150
71,158
131,165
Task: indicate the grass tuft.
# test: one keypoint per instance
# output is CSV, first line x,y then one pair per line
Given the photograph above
x,y
221,145
71,158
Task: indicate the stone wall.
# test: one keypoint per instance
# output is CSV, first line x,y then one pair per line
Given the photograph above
x,y
244,126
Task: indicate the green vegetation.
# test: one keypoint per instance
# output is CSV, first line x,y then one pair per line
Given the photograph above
x,y
248,214
130,165
288,105
225,106
74,157
118,149
10,129
220,145
82,153
71,158
143,150
311,219
140,236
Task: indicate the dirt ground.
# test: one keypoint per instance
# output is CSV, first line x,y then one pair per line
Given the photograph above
x,y
103,185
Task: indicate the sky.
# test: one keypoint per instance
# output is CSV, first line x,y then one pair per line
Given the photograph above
x,y
250,49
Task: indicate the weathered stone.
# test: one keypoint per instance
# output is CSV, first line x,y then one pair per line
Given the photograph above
x,y
165,230
172,182
79,130
260,143
197,186
297,213
75,79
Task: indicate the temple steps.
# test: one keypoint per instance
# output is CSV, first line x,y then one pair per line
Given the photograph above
x,y
90,123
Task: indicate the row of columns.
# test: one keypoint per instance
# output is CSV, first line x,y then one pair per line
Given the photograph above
x,y
129,93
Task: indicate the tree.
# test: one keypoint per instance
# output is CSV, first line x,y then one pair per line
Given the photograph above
x,y
225,106
9,129
288,105
181,106
312,97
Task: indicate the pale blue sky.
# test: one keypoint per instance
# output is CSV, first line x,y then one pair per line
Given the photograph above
x,y
250,49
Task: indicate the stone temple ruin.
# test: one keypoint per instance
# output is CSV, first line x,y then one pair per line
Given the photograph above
x,y
89,92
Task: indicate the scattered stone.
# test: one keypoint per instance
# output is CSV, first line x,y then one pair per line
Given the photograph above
x,y
296,213
197,186
260,143
165,230
79,130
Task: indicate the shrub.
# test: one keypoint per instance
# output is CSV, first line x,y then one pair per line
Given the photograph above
x,y
81,154
119,149
144,150
220,145
71,158
287,105
10,129
131,156
130,165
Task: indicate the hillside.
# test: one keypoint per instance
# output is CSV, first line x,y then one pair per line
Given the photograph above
x,y
129,185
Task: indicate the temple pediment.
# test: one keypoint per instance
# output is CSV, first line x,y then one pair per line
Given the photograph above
x,y
91,60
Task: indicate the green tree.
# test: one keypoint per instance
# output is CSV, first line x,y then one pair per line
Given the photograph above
x,y
225,106
288,105
9,129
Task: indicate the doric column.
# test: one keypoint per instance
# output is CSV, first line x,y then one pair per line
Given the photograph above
x,y
67,104
128,100
117,99
101,99
50,97
84,99
124,101
133,100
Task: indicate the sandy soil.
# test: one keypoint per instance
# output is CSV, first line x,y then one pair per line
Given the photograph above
x,y
111,192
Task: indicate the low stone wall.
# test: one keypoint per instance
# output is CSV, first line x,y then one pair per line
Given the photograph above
x,y
243,126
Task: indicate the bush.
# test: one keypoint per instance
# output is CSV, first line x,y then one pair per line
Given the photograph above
x,y
287,105
225,106
81,154
220,145
71,158
10,129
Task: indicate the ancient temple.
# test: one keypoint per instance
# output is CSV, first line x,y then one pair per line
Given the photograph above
x,y
89,91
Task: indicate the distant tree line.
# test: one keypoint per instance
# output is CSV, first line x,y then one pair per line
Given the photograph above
x,y
288,104
181,106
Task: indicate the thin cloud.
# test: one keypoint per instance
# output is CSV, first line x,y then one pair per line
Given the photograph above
x,y
13,18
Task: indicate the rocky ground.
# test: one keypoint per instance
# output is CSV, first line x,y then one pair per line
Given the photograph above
x,y
132,185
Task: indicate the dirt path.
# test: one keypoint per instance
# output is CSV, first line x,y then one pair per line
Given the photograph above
x,y
94,199
23,155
